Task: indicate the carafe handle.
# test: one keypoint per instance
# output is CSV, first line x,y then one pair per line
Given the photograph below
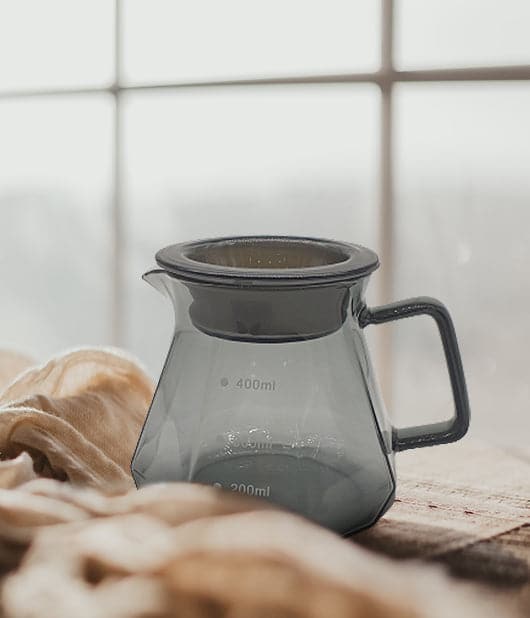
x,y
442,431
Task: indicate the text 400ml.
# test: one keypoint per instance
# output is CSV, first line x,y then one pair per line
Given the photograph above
x,y
255,384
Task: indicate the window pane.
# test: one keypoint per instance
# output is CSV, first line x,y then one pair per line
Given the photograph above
x,y
169,40
57,43
252,160
55,157
431,33
463,215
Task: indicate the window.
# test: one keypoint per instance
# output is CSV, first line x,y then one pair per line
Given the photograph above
x,y
402,125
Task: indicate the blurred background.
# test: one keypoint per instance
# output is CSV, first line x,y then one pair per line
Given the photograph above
x,y
403,125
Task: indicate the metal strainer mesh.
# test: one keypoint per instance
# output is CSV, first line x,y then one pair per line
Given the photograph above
x,y
267,253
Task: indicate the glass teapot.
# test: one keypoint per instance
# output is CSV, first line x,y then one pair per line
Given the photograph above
x,y
268,388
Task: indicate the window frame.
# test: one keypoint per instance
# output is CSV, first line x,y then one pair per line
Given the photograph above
x,y
385,78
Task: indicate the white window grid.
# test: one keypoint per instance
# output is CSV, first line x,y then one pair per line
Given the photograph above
x,y
385,78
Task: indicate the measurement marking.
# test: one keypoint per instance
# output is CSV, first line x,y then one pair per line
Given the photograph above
x,y
253,445
255,384
251,490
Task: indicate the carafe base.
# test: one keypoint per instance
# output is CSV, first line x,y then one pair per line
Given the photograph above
x,y
300,484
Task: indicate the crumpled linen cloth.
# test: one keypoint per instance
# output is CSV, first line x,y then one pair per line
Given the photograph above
x,y
76,538
78,416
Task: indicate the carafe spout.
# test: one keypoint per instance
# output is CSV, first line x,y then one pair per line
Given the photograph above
x,y
161,281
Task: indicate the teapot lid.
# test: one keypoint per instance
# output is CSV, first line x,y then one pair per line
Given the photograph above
x,y
263,261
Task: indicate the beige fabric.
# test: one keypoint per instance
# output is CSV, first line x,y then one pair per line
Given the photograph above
x,y
78,416
248,564
12,364
89,545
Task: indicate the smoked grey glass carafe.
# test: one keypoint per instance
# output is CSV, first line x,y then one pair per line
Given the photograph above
x,y
268,387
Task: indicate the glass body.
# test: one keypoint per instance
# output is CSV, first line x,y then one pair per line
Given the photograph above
x,y
300,423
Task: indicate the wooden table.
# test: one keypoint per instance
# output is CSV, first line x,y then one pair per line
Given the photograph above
x,y
466,506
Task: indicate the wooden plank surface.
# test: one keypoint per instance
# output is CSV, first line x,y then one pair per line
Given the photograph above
x,y
465,505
